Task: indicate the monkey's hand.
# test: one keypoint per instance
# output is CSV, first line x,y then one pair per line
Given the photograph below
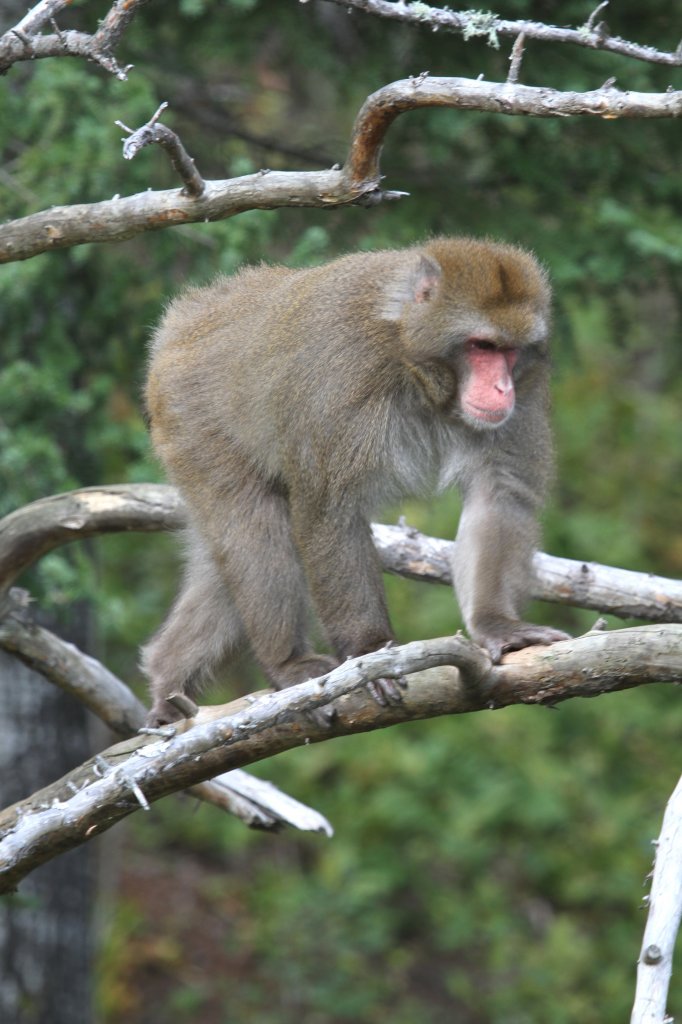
x,y
501,637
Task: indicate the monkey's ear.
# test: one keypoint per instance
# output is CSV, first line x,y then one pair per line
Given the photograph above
x,y
418,284
425,278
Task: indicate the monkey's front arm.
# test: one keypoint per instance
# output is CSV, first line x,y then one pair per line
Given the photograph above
x,y
492,569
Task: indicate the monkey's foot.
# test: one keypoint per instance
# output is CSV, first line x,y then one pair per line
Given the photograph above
x,y
386,690
515,637
162,713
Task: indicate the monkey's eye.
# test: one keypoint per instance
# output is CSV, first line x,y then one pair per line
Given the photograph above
x,y
481,344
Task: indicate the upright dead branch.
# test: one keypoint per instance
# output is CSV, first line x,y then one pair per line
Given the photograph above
x,y
665,912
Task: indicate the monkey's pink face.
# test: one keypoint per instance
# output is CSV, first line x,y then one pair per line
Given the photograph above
x,y
487,395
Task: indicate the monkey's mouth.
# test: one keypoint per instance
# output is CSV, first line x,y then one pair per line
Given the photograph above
x,y
492,416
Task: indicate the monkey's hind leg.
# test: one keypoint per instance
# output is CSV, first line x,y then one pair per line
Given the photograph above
x,y
263,572
203,629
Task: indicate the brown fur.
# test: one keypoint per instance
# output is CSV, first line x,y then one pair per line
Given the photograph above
x,y
287,404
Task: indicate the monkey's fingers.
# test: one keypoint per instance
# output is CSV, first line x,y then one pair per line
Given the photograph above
x,y
386,690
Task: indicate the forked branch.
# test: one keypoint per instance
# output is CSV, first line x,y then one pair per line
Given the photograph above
x,y
26,42
154,133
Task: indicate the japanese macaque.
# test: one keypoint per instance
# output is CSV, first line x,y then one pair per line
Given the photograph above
x,y
288,404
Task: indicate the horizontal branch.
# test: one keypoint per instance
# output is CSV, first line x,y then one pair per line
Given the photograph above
x,y
30,532
383,106
603,588
139,771
357,182
471,24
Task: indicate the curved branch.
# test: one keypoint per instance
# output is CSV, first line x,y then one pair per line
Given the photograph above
x,y
120,218
489,26
69,668
30,532
142,770
382,107
154,133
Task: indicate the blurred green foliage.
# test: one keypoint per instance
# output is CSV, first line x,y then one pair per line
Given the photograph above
x,y
486,869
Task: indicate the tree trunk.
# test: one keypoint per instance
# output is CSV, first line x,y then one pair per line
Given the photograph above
x,y
46,933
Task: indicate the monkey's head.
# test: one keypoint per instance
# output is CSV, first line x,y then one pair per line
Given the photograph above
x,y
473,319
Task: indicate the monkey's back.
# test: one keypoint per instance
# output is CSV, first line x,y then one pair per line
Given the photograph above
x,y
253,367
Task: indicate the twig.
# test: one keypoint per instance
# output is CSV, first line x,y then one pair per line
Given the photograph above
x,y
665,912
589,24
38,15
516,58
152,133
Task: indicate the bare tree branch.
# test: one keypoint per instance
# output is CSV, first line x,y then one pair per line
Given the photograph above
x,y
471,24
139,771
665,912
359,180
39,15
72,670
24,41
383,106
30,532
